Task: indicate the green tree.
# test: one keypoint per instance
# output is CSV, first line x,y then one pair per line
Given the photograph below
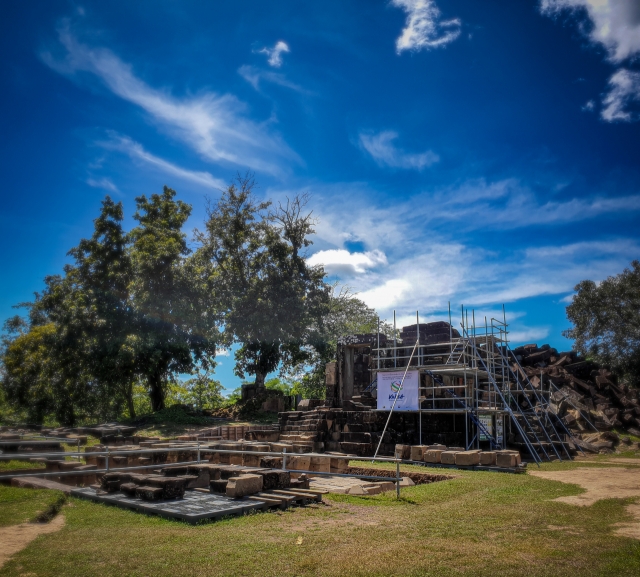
x,y
204,392
176,319
34,379
273,301
131,306
606,322
346,315
103,274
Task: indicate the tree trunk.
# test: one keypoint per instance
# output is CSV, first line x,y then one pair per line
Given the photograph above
x,y
156,392
260,380
129,394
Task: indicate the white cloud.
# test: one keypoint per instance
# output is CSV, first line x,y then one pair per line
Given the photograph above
x,y
624,89
136,151
222,353
526,335
429,260
213,125
102,183
380,147
423,28
589,106
345,263
615,24
255,76
275,53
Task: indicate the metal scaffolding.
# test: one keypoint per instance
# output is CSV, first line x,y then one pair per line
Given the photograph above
x,y
474,373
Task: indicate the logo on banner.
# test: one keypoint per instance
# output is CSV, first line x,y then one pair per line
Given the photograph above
x,y
396,387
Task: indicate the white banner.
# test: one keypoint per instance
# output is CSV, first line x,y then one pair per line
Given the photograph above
x,y
390,385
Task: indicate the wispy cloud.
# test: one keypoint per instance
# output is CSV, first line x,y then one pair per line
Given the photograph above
x,y
214,125
624,90
255,76
344,263
275,54
104,183
528,335
424,29
136,151
475,204
427,262
381,148
615,24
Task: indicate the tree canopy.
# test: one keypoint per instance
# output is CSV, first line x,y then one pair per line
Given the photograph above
x,y
131,306
606,322
133,312
273,301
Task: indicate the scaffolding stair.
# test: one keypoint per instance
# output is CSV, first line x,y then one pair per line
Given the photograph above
x,y
474,418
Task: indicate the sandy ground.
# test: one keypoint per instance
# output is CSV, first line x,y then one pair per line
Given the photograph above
x,y
602,483
15,538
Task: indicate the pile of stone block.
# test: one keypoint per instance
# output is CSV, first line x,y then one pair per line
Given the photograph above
x,y
355,432
458,456
172,482
588,394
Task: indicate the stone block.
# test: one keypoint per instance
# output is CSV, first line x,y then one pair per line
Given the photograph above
x,y
403,452
467,458
149,493
172,487
249,460
299,463
129,489
417,452
244,485
507,458
488,458
321,464
433,455
301,482
218,486
274,479
448,457
271,462
235,459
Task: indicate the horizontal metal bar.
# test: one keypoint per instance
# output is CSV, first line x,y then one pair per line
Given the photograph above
x,y
203,450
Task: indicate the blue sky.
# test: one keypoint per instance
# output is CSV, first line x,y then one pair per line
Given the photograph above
x,y
474,151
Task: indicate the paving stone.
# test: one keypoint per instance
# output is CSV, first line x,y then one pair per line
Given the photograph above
x,y
194,507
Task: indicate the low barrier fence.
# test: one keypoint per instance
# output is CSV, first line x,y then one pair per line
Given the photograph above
x,y
199,451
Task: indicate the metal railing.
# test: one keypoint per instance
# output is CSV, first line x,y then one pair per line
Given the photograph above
x,y
199,450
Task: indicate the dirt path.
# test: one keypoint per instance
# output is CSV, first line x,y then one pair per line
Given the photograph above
x,y
602,483
15,538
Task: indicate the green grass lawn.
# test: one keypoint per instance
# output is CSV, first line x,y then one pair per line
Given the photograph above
x,y
476,524
23,505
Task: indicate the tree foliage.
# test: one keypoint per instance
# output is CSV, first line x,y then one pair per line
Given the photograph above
x,y
606,322
133,312
131,306
345,315
273,301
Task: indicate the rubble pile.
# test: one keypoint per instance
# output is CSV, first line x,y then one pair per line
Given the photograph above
x,y
172,482
585,396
